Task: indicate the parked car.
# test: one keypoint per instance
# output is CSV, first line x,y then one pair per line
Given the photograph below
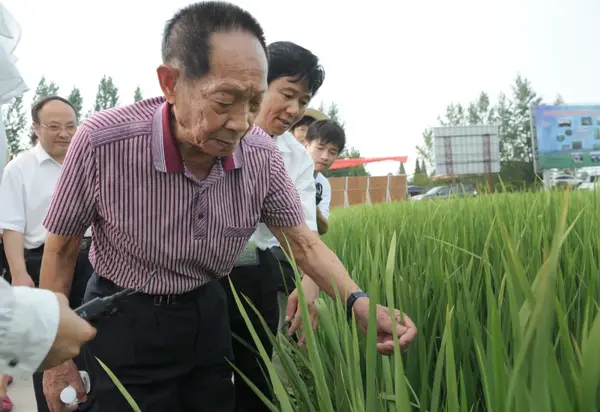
x,y
414,190
564,181
590,183
444,192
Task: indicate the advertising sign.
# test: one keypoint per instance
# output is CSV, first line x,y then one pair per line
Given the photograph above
x,y
465,150
567,136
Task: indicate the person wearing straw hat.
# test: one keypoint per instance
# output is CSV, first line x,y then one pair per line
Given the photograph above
x,y
299,129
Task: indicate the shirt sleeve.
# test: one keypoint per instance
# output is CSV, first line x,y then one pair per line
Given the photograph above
x,y
29,320
282,206
73,206
12,207
325,198
305,184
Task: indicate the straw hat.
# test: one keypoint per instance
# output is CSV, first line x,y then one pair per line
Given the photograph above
x,y
314,114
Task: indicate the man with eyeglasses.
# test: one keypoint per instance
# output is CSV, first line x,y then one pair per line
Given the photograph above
x,y
26,189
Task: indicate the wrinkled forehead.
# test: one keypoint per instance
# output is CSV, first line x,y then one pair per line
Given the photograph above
x,y
238,64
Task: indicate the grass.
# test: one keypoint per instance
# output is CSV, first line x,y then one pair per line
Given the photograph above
x,y
504,290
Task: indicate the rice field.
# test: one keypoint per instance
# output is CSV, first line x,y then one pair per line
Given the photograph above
x,y
503,288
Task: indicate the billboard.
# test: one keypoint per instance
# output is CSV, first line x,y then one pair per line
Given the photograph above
x,y
567,136
465,150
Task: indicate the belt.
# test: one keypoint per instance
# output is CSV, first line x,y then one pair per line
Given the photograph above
x,y
84,245
156,300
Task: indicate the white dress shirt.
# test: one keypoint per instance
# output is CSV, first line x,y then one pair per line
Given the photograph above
x,y
25,193
29,321
325,195
301,169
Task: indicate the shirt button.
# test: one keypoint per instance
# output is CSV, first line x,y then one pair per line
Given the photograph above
x,y
13,363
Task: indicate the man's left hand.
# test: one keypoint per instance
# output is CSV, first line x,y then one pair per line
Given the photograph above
x,y
294,312
405,328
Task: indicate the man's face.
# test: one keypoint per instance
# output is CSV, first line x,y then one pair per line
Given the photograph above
x,y
284,104
300,132
57,125
215,112
323,154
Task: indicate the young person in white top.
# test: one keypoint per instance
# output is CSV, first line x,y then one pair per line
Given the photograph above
x,y
324,141
294,77
26,190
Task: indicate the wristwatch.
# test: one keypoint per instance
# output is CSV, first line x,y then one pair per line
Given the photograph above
x,y
352,300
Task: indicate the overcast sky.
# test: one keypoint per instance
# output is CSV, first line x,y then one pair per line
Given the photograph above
x,y
392,66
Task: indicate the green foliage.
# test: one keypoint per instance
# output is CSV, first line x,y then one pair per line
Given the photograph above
x,y
137,95
45,89
107,95
77,101
504,292
401,170
15,123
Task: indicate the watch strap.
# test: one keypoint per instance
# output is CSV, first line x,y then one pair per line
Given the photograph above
x,y
352,300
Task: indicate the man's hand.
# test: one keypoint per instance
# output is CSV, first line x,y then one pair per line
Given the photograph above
x,y
405,328
294,312
22,279
58,378
72,333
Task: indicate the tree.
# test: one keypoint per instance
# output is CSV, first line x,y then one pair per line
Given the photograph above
x,y
426,151
401,170
332,112
423,167
454,116
77,101
45,89
107,95
417,167
137,96
559,100
15,123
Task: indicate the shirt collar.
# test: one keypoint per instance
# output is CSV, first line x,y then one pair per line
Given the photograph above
x,y
282,142
165,154
41,155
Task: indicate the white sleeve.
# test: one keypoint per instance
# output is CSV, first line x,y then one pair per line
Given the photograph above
x,y
325,197
12,207
29,321
3,147
305,185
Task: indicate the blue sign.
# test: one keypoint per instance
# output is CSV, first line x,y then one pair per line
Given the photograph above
x,y
567,136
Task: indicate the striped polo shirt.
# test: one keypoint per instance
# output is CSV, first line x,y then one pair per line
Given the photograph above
x,y
124,176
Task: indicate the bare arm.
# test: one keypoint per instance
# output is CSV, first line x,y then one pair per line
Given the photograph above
x,y
316,260
58,263
14,250
322,223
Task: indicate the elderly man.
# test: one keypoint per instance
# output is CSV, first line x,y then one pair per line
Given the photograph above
x,y
169,186
294,77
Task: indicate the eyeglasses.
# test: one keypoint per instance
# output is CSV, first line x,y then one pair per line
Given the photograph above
x,y
57,128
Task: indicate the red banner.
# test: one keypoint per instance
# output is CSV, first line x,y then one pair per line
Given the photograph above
x,y
344,163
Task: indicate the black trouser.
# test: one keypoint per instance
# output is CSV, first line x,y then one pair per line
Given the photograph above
x,y
83,271
260,285
170,353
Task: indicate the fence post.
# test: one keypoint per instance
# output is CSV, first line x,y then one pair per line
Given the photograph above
x,y
388,196
368,195
346,202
